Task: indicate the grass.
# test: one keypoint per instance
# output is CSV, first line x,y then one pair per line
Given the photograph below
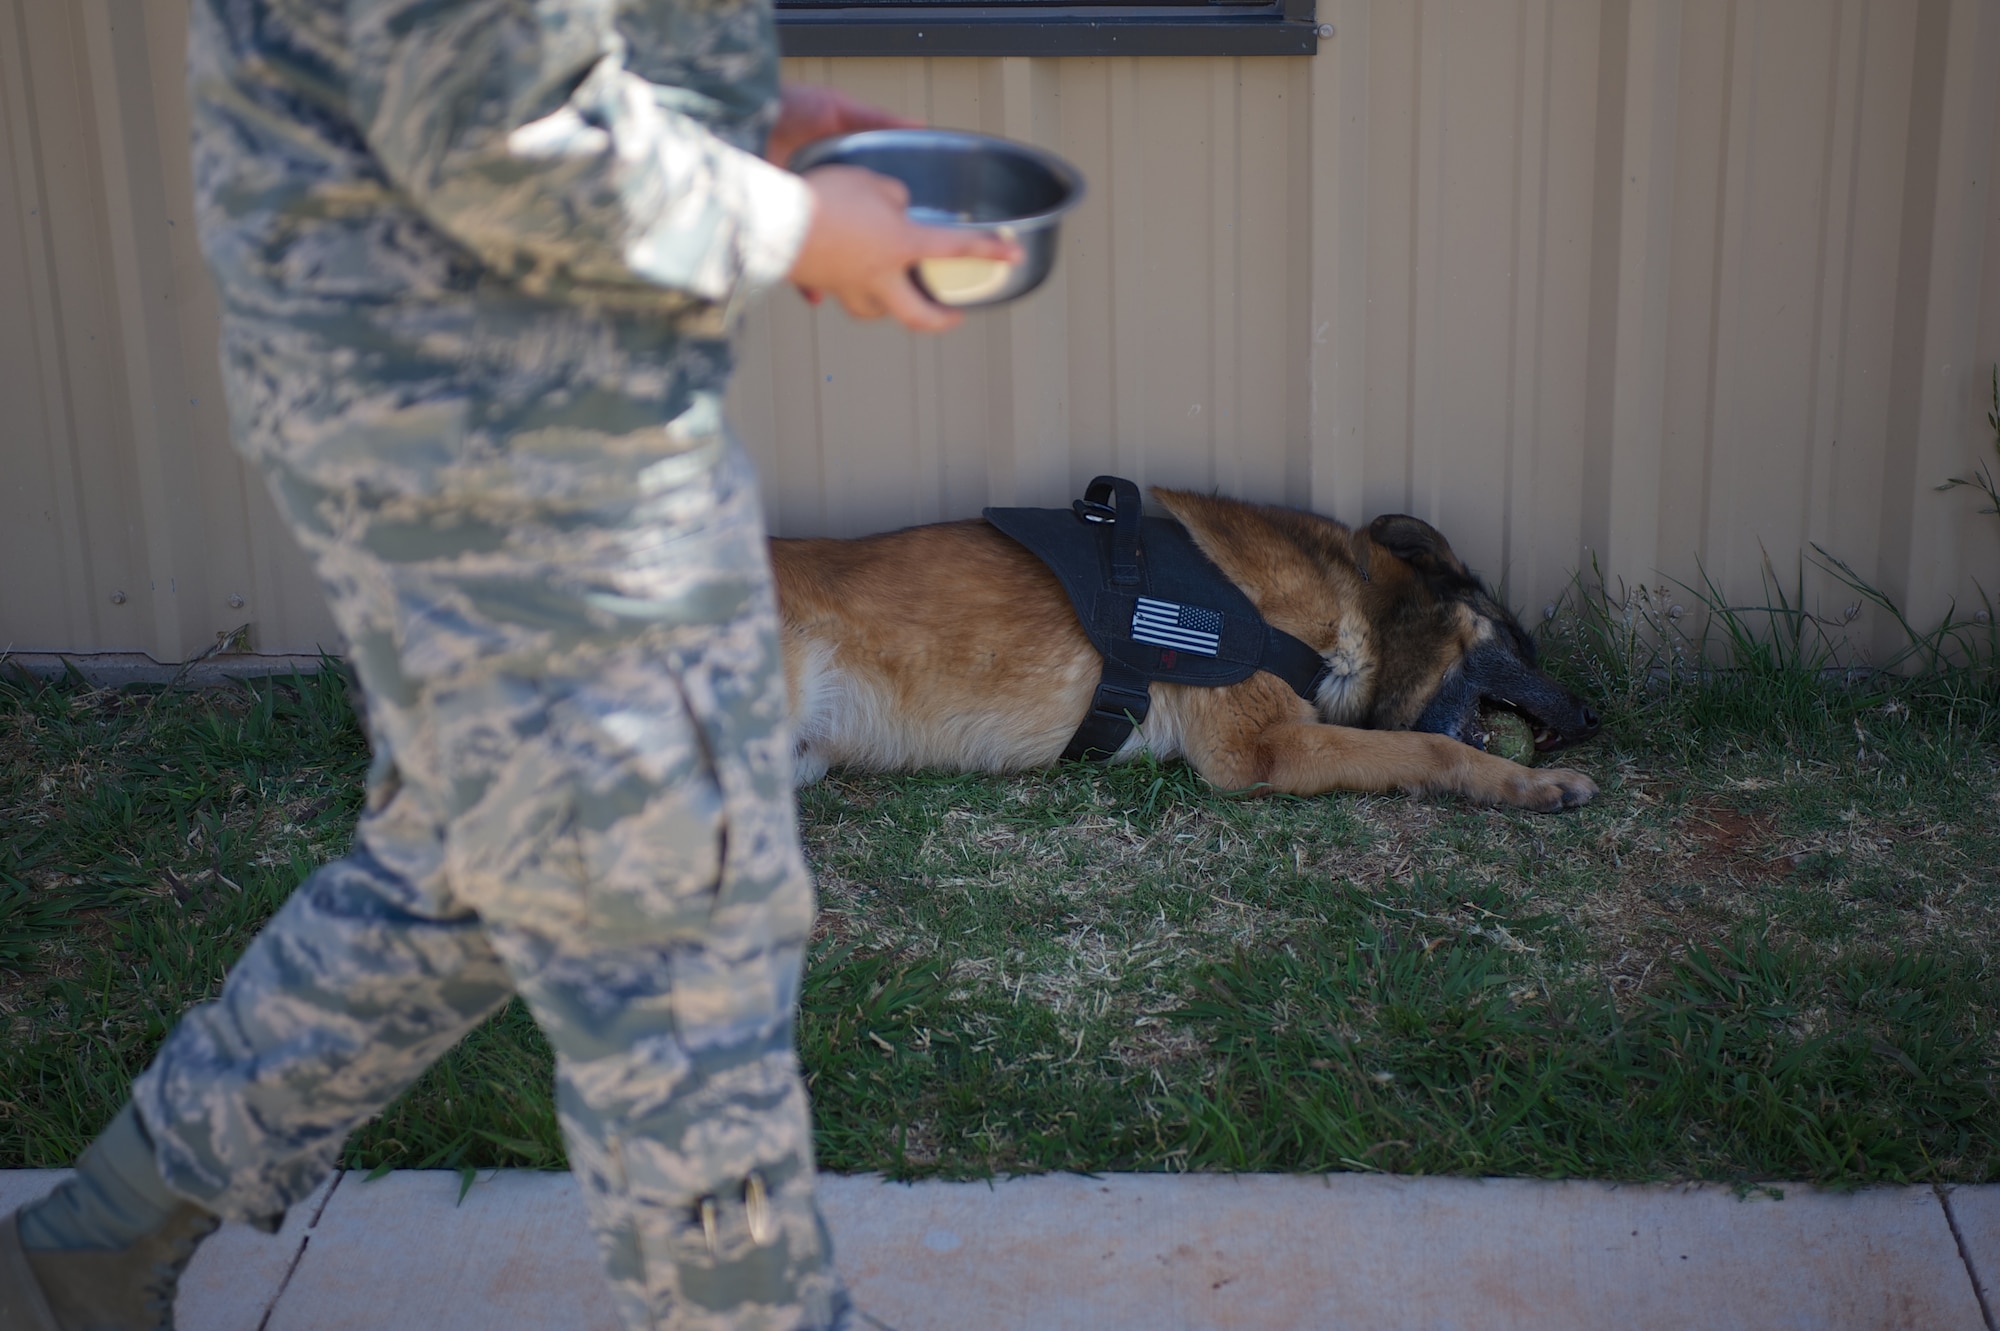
x,y
1769,950
144,836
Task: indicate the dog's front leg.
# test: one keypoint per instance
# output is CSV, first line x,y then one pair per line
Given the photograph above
x,y
1308,758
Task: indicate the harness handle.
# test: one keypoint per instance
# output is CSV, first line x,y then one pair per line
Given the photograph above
x,y
1122,512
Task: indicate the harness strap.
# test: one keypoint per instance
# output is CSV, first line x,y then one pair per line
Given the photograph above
x,y
1123,515
1122,699
1294,662
1119,705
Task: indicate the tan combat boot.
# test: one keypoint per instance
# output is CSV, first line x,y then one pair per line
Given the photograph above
x,y
105,1250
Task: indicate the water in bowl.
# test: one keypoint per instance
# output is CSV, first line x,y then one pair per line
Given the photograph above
x,y
963,281
938,216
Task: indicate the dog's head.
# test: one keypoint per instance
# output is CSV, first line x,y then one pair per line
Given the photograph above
x,y
1455,649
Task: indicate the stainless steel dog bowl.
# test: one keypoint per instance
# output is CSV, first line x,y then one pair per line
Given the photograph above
x,y
971,181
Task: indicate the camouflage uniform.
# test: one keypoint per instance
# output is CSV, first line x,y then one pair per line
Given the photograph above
x,y
478,260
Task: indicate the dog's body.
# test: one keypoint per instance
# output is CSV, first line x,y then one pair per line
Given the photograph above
x,y
951,646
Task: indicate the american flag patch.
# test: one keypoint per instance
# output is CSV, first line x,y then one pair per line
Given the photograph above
x,y
1187,628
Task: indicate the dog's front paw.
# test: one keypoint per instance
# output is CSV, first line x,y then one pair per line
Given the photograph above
x,y
1553,789
1542,789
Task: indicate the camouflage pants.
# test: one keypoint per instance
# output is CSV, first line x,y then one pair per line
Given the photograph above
x,y
581,794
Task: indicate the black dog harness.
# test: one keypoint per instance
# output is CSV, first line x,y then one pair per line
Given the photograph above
x,y
1155,607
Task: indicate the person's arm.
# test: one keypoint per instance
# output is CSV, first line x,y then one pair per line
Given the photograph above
x,y
518,131
862,244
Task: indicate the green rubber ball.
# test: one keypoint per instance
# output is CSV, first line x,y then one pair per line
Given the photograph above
x,y
1510,737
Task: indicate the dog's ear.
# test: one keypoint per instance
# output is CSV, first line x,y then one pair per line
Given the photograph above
x,y
1417,543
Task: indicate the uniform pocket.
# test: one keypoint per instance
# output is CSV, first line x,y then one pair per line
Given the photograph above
x,y
651,858
589,810
647,814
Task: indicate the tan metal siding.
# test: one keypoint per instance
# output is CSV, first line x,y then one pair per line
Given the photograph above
x,y
1168,345
126,522
1664,283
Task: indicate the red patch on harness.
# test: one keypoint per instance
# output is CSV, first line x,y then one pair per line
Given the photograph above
x,y
1167,658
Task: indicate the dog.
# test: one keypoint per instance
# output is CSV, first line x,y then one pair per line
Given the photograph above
x,y
951,646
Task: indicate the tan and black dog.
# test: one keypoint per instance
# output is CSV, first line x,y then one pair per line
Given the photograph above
x,y
951,646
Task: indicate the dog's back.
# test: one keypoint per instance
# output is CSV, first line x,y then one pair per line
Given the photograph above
x,y
946,646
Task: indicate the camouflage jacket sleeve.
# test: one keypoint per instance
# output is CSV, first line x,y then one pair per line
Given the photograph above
x,y
516,126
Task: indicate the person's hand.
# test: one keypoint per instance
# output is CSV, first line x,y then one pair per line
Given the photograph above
x,y
862,244
807,111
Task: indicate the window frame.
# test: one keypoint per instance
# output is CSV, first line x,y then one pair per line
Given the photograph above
x,y
828,28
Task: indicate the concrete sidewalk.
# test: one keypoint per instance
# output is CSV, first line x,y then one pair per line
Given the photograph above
x,y
1155,1253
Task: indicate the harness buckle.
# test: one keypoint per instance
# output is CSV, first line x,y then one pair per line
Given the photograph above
x,y
1118,703
1118,706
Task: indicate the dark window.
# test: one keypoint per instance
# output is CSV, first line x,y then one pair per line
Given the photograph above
x,y
1047,27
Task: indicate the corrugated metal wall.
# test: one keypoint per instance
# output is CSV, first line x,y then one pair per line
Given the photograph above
x,y
1644,281
126,522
